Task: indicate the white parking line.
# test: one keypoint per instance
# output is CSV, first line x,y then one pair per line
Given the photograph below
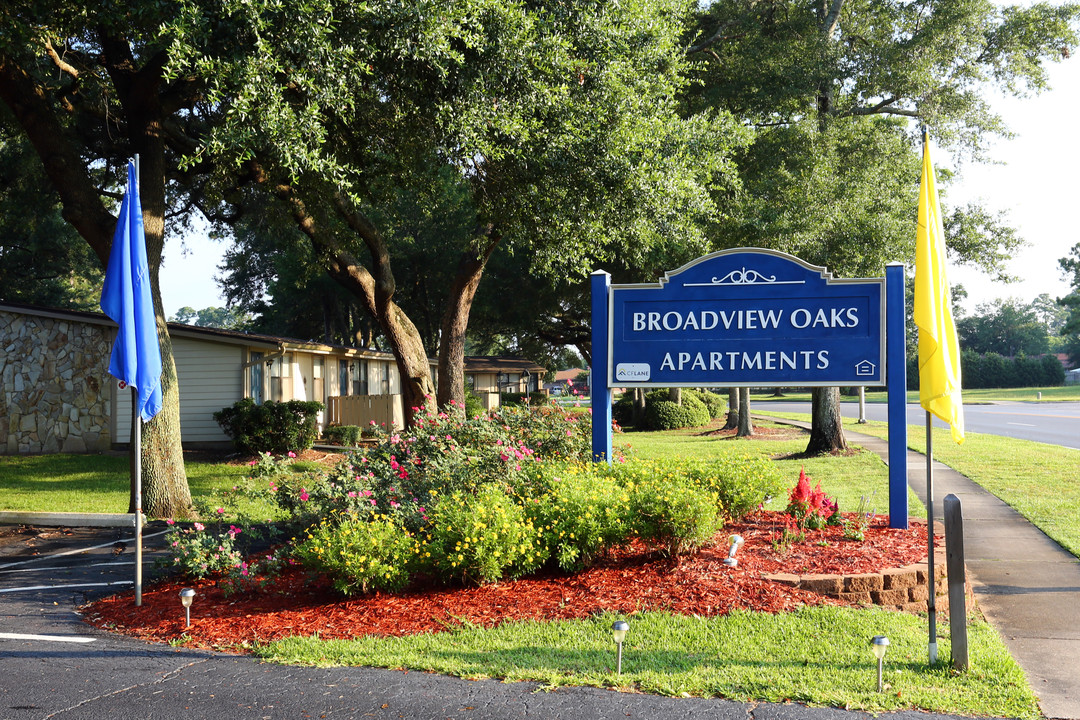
x,y
47,638
1020,424
78,550
29,588
64,567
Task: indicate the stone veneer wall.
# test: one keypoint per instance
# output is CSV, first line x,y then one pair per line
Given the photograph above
x,y
55,385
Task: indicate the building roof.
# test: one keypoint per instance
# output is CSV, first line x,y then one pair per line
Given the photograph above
x,y
569,375
501,364
205,333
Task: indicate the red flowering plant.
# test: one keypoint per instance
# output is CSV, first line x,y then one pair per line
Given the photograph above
x,y
811,509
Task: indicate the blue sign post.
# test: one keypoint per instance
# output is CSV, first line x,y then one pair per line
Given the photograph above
x,y
739,318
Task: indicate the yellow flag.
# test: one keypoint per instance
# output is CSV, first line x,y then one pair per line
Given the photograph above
x,y
939,351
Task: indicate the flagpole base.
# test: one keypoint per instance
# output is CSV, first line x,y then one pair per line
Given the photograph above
x,y
932,653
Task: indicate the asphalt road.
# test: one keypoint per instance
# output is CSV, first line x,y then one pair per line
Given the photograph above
x,y
1052,423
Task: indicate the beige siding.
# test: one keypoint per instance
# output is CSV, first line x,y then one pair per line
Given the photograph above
x,y
210,379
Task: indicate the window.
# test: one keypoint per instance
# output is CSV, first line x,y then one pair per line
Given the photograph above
x,y
280,372
384,378
255,377
359,377
318,387
343,377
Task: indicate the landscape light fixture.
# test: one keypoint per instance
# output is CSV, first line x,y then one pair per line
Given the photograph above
x,y
880,645
736,543
187,595
618,632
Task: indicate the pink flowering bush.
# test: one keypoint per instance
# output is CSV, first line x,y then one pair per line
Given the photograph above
x,y
198,553
447,452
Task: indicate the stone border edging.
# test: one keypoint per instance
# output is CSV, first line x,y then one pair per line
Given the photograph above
x,y
905,588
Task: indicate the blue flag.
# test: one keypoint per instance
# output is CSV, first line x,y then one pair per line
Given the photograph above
x,y
126,298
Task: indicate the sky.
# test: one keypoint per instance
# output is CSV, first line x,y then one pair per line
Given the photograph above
x,y
1033,185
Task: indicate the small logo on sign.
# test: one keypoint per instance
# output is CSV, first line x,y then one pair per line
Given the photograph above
x,y
864,368
633,372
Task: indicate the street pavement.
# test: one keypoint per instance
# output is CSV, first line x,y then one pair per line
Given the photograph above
x,y
52,665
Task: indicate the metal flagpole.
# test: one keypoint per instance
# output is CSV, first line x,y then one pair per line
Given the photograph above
x,y
136,421
931,600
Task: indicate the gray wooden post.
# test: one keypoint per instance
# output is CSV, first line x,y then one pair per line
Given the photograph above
x,y
954,560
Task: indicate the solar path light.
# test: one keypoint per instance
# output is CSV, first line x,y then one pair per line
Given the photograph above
x,y
880,645
736,543
618,632
187,595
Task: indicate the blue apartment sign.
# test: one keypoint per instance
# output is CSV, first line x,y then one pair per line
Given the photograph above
x,y
747,317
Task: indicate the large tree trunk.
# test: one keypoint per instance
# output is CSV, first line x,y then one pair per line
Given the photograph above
x,y
375,287
455,321
166,491
165,488
827,429
413,365
674,394
746,428
733,409
637,417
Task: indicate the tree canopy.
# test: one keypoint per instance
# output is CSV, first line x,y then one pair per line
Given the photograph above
x,y
556,122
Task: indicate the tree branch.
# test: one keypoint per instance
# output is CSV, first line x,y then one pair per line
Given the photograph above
x,y
60,62
63,165
832,19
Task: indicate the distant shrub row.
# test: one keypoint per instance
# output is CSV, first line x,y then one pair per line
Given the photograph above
x,y
698,408
996,371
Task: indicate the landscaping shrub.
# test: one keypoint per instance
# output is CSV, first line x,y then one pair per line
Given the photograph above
x,y
343,434
622,410
552,432
480,538
580,514
272,426
447,453
473,405
358,554
198,553
676,515
666,415
715,404
741,483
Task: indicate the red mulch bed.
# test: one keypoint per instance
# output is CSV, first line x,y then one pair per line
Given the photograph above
x,y
630,580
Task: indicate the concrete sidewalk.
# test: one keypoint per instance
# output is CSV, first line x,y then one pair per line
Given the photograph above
x,y
1026,585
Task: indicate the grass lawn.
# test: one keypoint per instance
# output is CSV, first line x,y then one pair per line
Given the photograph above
x,y
846,479
819,656
91,483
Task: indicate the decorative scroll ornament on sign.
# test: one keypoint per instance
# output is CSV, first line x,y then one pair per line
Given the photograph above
x,y
746,277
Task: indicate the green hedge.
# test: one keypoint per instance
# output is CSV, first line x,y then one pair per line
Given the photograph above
x,y
343,434
697,409
274,427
